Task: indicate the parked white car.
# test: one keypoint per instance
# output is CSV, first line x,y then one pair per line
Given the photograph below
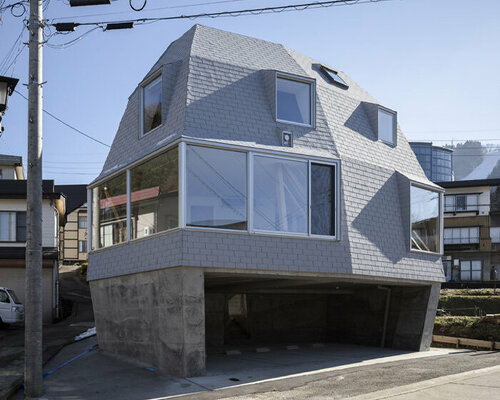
x,y
11,308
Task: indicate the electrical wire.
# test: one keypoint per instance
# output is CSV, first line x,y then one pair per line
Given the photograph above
x,y
153,9
71,42
238,13
137,9
10,52
65,123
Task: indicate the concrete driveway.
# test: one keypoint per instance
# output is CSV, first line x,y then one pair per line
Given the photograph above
x,y
330,372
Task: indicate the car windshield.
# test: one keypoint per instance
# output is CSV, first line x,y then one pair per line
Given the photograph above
x,y
13,296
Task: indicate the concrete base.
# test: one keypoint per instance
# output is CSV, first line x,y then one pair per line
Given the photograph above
x,y
155,317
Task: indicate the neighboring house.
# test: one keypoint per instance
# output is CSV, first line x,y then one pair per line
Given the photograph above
x,y
255,195
436,161
471,229
11,167
13,241
73,234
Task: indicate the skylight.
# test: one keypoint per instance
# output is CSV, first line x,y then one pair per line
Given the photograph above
x,y
333,77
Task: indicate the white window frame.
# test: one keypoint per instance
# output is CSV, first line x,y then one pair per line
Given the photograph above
x,y
312,97
394,114
182,144
470,271
440,228
454,229
157,75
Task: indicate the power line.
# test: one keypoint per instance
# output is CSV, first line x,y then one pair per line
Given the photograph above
x,y
153,9
458,131
65,123
238,13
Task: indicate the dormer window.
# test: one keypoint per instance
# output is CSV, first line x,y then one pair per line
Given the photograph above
x,y
333,77
151,105
294,100
387,125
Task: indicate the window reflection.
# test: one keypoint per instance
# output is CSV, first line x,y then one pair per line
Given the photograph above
x,y
293,101
424,219
322,199
111,197
155,194
216,188
152,105
280,195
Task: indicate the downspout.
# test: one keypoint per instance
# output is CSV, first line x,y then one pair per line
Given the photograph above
x,y
386,313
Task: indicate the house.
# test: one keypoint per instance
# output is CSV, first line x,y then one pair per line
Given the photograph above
x,y
436,161
255,195
11,167
13,235
73,234
471,230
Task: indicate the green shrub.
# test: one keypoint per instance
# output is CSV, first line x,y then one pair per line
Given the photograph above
x,y
461,304
83,271
468,327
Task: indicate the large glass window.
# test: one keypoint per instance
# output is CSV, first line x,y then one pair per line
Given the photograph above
x,y
155,195
386,126
111,224
216,182
280,195
12,226
424,219
293,101
322,199
151,105
288,195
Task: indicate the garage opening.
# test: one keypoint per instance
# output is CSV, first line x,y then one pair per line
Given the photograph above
x,y
254,311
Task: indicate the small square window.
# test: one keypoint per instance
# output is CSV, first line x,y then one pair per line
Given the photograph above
x,y
333,77
294,101
151,105
387,126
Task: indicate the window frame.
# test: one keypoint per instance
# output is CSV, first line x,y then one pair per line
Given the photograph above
x,y
312,97
16,226
182,143
440,228
470,270
80,221
142,86
394,127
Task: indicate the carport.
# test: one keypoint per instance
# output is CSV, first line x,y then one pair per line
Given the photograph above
x,y
252,311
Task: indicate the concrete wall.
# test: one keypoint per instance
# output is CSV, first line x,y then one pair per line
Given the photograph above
x,y
14,278
155,317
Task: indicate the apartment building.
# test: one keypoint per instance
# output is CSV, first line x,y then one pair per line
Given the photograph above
x,y
471,230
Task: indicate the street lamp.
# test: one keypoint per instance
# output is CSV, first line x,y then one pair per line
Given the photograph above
x,y
7,86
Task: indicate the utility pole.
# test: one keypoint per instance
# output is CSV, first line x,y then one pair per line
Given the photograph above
x,y
33,384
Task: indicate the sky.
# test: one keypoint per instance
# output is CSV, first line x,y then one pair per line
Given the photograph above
x,y
436,62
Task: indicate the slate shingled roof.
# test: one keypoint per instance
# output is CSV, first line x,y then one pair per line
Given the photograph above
x,y
227,72
218,86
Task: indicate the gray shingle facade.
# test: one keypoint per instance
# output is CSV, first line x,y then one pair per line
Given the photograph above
x,y
220,87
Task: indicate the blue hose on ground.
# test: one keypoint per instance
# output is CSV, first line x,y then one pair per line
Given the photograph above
x,y
45,374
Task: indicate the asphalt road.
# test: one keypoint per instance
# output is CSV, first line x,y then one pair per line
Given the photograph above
x,y
357,381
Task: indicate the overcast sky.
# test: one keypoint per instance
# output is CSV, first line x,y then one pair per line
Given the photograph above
x,y
437,62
